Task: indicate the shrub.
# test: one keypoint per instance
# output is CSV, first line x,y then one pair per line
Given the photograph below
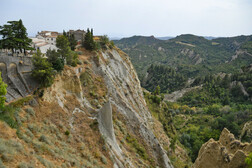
x,y
3,92
1,164
43,138
104,159
139,149
23,165
45,162
30,111
8,116
29,133
248,160
85,78
67,132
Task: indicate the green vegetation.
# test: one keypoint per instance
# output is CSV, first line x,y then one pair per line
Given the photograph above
x,y
89,42
55,59
202,114
71,39
43,71
14,37
10,113
229,90
138,148
3,92
64,51
166,77
248,160
44,68
188,55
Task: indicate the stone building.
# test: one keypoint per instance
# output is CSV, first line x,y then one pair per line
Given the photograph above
x,y
78,34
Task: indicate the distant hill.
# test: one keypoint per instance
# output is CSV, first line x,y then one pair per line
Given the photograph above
x,y
190,55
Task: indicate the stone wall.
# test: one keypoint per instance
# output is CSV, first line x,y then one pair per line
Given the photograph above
x,y
16,73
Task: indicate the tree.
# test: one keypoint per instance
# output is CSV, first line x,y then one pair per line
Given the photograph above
x,y
8,40
72,41
54,58
3,92
63,46
104,40
42,71
15,37
157,90
89,42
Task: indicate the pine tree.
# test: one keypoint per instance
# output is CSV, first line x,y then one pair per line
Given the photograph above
x,y
15,37
89,42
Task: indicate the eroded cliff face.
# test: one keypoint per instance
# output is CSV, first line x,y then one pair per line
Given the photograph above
x,y
225,153
94,115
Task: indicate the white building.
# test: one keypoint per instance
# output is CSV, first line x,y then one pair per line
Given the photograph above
x,y
44,41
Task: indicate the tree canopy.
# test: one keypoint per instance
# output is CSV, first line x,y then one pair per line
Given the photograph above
x,y
14,37
43,71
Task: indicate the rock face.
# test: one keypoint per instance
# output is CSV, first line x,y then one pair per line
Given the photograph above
x,y
225,153
246,134
126,96
107,90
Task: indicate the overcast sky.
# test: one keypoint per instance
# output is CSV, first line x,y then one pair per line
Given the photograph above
x,y
123,18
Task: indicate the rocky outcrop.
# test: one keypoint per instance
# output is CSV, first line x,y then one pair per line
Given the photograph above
x,y
246,134
227,152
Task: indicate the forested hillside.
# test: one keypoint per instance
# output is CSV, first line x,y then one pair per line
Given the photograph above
x,y
190,55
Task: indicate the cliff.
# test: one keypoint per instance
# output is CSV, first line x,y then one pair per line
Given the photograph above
x,y
227,152
94,115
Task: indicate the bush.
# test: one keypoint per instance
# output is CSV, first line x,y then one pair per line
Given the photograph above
x,y
3,92
43,138
30,111
45,162
104,159
248,160
67,133
139,149
1,164
23,165
104,41
8,116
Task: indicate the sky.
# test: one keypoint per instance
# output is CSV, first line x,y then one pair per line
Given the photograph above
x,y
125,18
